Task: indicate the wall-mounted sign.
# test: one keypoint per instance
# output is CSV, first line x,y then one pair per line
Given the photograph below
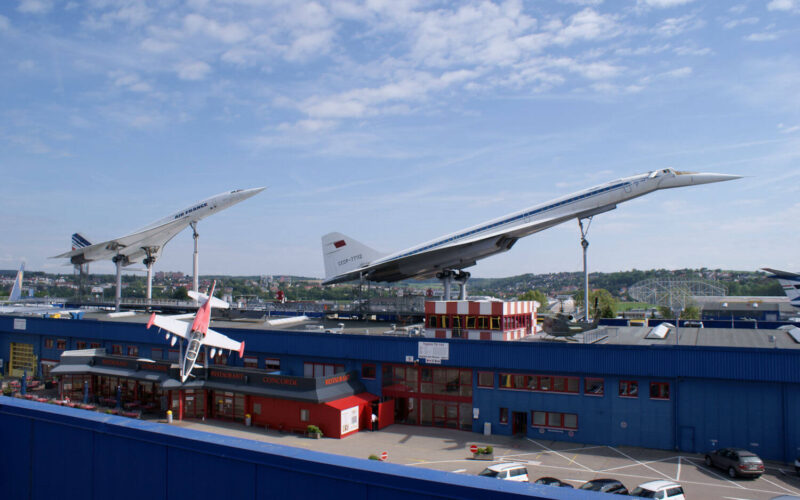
x,y
349,419
433,350
20,324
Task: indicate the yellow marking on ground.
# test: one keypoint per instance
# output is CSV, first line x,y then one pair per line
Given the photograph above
x,y
572,459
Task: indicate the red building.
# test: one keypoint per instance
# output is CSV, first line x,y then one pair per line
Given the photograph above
x,y
338,404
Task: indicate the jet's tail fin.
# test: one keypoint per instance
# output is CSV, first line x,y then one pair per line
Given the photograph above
x,y
343,254
79,241
790,282
16,289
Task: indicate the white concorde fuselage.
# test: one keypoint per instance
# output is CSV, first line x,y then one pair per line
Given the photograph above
x,y
464,248
150,239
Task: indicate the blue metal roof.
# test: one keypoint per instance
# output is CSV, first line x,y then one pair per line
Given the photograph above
x,y
776,365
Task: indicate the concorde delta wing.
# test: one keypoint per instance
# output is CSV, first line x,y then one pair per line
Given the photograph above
x,y
131,246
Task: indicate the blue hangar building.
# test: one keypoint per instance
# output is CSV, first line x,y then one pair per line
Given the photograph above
x,y
714,388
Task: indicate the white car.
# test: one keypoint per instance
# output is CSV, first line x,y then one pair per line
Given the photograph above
x,y
663,490
512,471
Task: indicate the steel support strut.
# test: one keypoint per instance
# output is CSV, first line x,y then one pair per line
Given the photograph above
x,y
195,266
585,245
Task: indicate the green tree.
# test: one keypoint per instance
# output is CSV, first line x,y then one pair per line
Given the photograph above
x,y
180,294
537,295
605,302
690,312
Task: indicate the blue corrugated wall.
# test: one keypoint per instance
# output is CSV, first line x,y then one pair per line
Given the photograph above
x,y
54,452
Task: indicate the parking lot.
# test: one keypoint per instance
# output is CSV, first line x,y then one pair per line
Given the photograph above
x,y
448,450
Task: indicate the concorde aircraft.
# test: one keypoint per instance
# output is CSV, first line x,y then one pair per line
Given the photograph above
x,y
347,259
790,282
146,244
197,332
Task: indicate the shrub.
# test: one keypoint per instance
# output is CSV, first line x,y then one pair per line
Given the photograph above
x,y
313,429
485,451
374,457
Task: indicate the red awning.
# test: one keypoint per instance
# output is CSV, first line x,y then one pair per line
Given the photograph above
x,y
351,401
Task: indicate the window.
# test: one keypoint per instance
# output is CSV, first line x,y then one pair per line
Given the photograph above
x,y
80,344
173,355
432,321
157,353
485,379
368,370
314,370
116,349
61,344
628,389
272,364
471,322
495,322
593,387
659,390
95,345
503,415
303,415
540,383
554,420
250,362
133,350
48,343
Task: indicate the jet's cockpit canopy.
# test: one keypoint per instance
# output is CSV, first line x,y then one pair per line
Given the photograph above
x,y
659,173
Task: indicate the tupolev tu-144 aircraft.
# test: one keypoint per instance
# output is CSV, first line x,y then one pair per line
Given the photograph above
x,y
347,259
197,332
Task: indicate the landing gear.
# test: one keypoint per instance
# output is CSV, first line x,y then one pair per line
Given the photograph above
x,y
448,276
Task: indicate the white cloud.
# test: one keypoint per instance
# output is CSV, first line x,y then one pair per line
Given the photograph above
x,y
678,73
228,33
660,4
35,6
130,82
693,51
588,25
193,70
740,22
783,5
788,130
761,37
677,25
309,45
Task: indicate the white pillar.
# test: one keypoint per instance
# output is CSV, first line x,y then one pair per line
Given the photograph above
x,y
195,267
118,295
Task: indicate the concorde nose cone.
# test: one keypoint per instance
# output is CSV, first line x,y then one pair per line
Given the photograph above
x,y
680,179
706,178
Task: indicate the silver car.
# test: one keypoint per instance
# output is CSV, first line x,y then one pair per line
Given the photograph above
x,y
736,461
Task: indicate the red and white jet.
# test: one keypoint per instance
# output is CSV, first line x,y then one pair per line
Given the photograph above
x,y
197,332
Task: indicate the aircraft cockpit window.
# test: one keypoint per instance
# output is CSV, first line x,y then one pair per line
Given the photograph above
x,y
652,174
236,191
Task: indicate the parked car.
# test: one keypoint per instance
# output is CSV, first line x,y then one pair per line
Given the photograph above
x,y
551,481
605,486
736,461
666,490
509,471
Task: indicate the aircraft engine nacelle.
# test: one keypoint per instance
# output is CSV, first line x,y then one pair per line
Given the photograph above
x,y
174,339
213,352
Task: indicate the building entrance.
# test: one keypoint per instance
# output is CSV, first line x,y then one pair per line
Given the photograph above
x,y
520,423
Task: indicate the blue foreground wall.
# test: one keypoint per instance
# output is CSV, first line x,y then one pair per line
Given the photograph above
x,y
54,452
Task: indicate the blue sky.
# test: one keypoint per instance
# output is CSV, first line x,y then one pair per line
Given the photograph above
x,y
396,121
